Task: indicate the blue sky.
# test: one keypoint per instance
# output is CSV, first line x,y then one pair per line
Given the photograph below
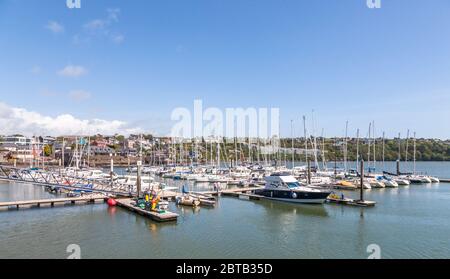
x,y
135,61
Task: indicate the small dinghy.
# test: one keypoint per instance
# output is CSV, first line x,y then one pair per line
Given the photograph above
x,y
186,199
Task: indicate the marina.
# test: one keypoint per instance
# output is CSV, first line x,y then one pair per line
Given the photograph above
x,y
417,212
302,184
211,197
230,130
90,189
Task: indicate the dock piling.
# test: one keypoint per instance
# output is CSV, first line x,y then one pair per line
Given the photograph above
x,y
362,181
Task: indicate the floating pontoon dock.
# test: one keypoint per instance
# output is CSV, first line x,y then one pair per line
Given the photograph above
x,y
352,202
51,202
160,217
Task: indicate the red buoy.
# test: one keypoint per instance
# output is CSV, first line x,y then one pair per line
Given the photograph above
x,y
112,202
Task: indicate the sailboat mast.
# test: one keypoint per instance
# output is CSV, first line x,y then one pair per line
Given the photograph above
x,y
357,148
368,152
63,153
89,151
241,153
211,155
306,139
324,164
407,146
235,151
265,150
383,154
374,146
250,153
414,153
31,152
345,146
76,154
258,153
315,140
292,140
175,152
218,154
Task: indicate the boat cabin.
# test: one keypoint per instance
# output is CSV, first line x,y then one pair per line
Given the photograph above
x,y
280,181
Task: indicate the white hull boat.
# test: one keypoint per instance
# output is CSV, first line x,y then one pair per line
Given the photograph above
x,y
401,181
376,184
434,179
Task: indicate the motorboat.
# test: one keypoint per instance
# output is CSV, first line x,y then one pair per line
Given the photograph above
x,y
402,181
345,184
284,187
147,182
418,179
387,181
434,179
374,183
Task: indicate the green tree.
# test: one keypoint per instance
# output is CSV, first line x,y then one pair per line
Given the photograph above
x,y
120,138
47,150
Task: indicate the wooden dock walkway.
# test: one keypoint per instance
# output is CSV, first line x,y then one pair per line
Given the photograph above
x,y
230,192
244,196
159,217
67,187
51,202
351,202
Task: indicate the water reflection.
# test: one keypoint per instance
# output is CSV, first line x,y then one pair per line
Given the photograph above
x,y
361,215
407,222
152,227
112,211
275,208
188,210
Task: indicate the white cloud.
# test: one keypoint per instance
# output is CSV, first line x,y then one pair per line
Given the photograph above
x,y
79,95
72,71
55,27
103,27
18,120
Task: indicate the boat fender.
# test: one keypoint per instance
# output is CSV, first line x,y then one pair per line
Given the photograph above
x,y
294,195
112,202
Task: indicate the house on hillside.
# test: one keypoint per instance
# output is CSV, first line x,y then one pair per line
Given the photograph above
x,y
100,143
97,150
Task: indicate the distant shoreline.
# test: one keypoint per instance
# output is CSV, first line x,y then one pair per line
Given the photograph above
x,y
121,164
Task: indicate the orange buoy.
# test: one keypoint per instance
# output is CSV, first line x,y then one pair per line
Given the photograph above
x,y
112,202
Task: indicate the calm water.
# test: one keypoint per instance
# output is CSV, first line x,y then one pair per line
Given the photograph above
x,y
408,222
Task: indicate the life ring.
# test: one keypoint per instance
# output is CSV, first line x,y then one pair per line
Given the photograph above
x,y
294,195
